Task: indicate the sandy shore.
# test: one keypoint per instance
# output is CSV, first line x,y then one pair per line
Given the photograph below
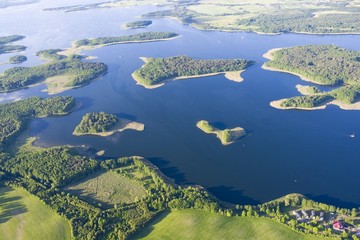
x,y
122,125
231,75
344,106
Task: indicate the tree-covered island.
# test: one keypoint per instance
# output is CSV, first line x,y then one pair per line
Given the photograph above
x,y
156,71
139,24
60,75
226,136
327,65
104,124
135,38
17,59
5,47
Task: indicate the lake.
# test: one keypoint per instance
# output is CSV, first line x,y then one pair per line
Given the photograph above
x,y
308,152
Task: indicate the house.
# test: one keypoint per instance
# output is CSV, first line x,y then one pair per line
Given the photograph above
x,y
297,215
305,214
313,214
338,225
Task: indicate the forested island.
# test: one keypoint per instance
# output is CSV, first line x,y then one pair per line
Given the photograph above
x,y
226,136
139,24
51,54
104,124
139,37
70,72
5,47
156,71
324,65
17,59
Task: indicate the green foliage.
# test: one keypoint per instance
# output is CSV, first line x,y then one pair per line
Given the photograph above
x,y
226,136
157,70
139,24
347,94
309,101
146,36
96,123
50,54
17,59
81,72
205,126
182,13
56,165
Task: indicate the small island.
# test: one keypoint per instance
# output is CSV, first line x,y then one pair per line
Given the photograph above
x,y
327,65
104,124
17,59
226,136
157,71
139,24
90,43
6,48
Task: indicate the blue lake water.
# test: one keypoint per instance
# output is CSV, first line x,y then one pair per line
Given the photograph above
x,y
308,152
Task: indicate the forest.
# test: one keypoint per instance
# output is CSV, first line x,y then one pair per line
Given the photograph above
x,y
146,36
50,54
322,64
96,122
80,72
157,70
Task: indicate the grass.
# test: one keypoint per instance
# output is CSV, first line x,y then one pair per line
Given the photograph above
x,y
108,188
195,224
23,216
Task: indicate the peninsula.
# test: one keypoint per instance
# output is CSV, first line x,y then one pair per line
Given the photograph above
x,y
157,71
226,136
139,24
104,124
327,65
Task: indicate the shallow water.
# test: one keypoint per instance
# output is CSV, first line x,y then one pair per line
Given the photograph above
x,y
308,152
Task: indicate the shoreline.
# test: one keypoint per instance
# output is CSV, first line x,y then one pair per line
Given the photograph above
x,y
353,106
121,126
234,76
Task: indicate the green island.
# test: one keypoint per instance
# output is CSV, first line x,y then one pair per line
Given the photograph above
x,y
139,24
104,124
226,136
135,38
327,65
270,17
157,71
119,197
17,59
51,54
60,75
5,47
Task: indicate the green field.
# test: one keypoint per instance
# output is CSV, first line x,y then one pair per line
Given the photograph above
x,y
108,188
23,216
194,224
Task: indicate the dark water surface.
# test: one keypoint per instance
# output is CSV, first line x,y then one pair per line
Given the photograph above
x,y
308,152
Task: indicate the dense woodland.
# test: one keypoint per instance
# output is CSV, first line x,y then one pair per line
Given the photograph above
x,y
80,72
323,64
17,59
6,48
15,116
146,36
157,70
96,122
139,24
